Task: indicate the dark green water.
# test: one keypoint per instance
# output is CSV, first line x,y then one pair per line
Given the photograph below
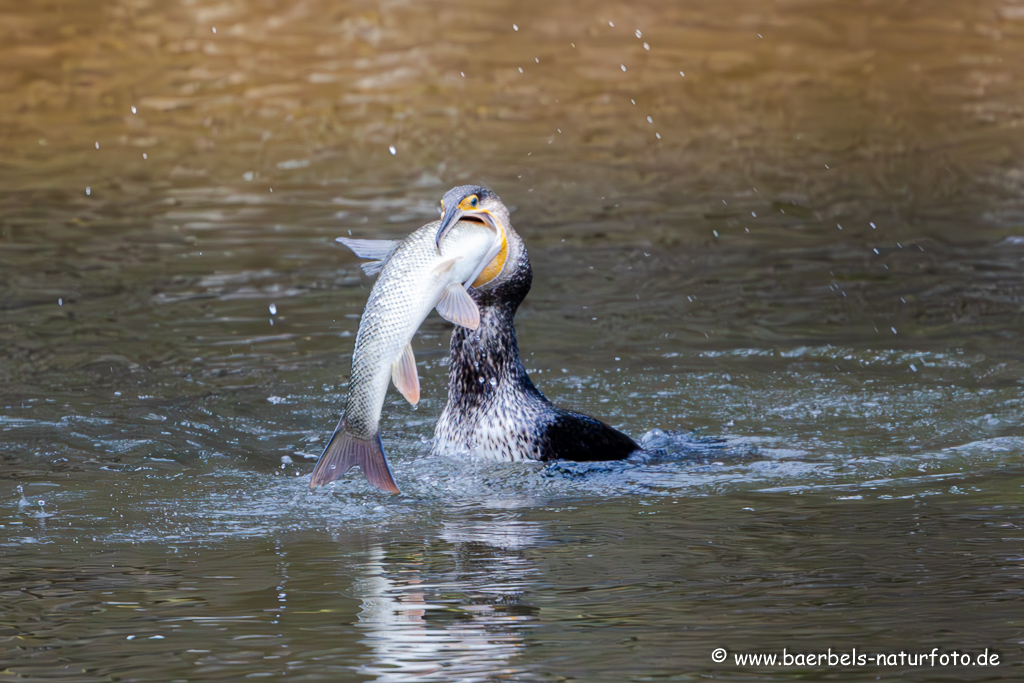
x,y
813,248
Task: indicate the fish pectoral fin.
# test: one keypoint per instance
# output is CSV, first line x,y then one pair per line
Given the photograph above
x,y
403,374
377,251
445,266
457,306
345,450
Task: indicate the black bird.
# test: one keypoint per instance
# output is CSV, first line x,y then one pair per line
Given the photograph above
x,y
494,411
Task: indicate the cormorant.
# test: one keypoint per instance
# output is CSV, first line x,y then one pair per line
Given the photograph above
x,y
494,411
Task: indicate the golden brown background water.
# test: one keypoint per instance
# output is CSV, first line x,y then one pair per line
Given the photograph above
x,y
797,225
908,109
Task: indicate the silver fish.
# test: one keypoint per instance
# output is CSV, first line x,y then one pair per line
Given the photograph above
x,y
415,275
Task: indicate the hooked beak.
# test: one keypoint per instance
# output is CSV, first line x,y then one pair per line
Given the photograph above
x,y
451,216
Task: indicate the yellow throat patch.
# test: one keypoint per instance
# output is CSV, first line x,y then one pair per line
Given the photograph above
x,y
496,264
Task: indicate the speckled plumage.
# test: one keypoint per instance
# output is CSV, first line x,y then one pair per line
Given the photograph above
x,y
494,411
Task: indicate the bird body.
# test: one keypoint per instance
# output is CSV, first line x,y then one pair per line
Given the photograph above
x,y
494,411
475,268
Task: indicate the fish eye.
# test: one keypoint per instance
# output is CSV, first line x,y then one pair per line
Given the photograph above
x,y
473,201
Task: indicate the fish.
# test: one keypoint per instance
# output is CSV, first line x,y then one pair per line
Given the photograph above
x,y
414,276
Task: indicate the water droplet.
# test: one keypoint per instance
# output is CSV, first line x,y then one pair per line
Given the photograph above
x,y
273,309
60,302
873,226
657,135
759,35
650,120
633,102
622,66
638,34
646,46
97,144
88,191
913,367
481,380
214,29
130,638
493,381
391,148
715,232
752,213
144,156
612,24
839,226
515,27
537,60
520,69
133,109
682,74
462,73
893,330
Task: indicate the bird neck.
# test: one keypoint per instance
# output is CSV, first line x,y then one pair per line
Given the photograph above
x,y
484,359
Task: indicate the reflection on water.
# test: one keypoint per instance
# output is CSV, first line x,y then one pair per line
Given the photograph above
x,y
794,226
547,594
463,619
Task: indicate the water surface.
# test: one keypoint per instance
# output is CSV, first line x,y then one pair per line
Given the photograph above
x,y
795,226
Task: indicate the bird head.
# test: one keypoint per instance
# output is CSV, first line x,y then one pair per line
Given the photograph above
x,y
475,203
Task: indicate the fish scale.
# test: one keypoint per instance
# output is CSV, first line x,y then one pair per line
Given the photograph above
x,y
393,313
415,277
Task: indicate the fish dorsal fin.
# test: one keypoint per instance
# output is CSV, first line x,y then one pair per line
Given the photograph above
x,y
403,374
445,266
378,251
457,306
371,268
375,250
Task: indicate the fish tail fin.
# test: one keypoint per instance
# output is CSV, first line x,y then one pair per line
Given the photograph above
x,y
345,450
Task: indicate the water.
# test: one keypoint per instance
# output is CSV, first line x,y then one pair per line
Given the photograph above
x,y
794,227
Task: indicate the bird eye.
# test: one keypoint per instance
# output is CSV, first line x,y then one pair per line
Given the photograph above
x,y
473,201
